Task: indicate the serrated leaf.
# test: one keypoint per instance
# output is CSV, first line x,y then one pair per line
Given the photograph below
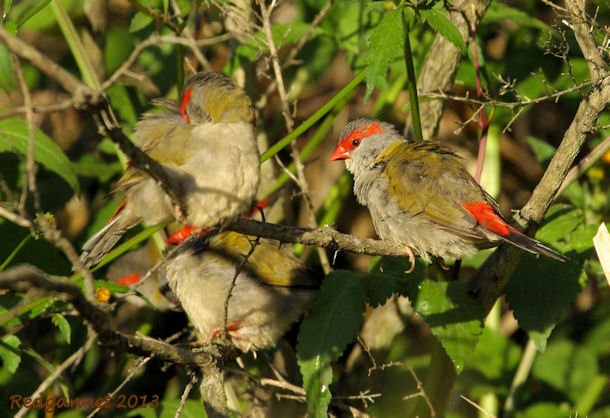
x,y
7,77
139,21
14,138
63,325
453,315
441,24
10,353
559,222
566,368
394,280
540,290
332,323
384,45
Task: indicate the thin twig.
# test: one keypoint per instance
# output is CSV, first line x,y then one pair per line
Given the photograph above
x,y
584,164
55,107
29,186
132,372
238,270
74,358
480,408
281,88
185,394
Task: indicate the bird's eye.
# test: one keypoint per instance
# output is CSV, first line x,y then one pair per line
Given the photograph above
x,y
356,142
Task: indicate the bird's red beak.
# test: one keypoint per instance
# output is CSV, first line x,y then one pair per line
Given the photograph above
x,y
340,153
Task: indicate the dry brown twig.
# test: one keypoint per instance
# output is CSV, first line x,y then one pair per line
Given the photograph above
x,y
281,88
421,391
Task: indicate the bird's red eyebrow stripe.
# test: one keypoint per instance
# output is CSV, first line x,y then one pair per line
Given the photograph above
x,y
487,217
186,98
367,130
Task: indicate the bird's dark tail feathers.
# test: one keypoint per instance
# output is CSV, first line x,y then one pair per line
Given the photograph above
x,y
531,245
103,241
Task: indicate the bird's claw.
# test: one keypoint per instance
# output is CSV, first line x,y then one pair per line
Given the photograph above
x,y
411,256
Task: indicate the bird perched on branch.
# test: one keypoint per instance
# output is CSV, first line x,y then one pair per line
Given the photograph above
x,y
206,144
420,194
272,290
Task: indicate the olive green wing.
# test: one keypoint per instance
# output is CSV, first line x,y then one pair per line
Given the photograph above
x,y
165,137
430,180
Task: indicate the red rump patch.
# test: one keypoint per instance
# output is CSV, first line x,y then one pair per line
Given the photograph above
x,y
487,217
129,279
364,132
186,98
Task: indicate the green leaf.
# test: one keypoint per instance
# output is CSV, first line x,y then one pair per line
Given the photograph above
x,y
333,322
91,166
121,102
500,12
454,317
7,7
540,290
566,368
32,11
560,220
441,24
112,286
546,410
10,353
40,308
581,239
63,325
14,138
7,77
394,281
486,358
384,45
139,21
543,150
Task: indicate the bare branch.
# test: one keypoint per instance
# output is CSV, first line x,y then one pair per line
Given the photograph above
x,y
581,25
326,238
281,88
